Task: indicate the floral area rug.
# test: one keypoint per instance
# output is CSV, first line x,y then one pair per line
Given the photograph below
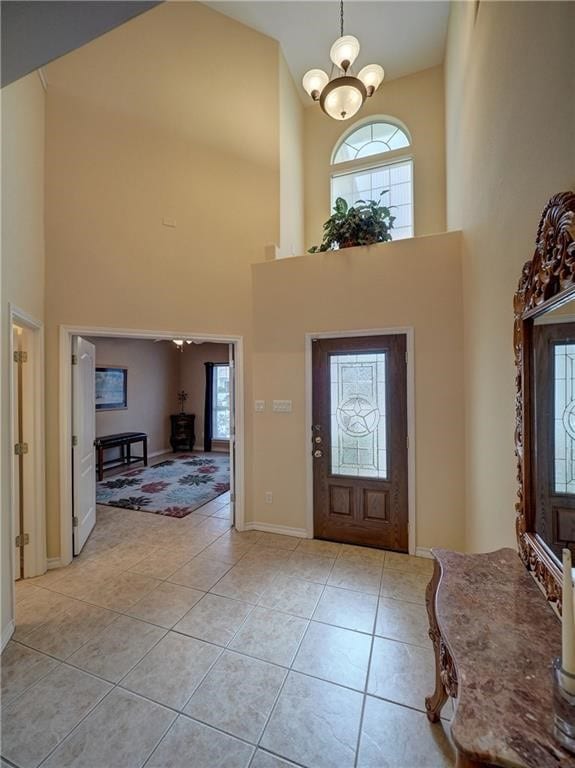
x,y
174,487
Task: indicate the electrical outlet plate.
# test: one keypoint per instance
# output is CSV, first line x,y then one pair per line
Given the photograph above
x,y
282,406
269,497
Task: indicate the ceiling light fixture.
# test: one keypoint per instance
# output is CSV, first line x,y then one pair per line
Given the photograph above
x,y
180,342
342,96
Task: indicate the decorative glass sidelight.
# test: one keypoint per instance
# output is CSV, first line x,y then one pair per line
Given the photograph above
x,y
564,418
358,415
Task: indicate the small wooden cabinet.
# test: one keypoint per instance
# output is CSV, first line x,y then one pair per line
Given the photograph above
x,y
182,436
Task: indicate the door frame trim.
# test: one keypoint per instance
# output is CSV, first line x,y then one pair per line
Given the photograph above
x,y
65,415
408,332
35,510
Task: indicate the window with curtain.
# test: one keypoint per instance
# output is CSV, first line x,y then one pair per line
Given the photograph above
x,y
221,403
365,172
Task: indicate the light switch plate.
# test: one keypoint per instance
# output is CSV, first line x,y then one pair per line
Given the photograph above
x,y
282,406
259,405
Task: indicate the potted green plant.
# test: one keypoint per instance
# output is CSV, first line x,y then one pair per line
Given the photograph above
x,y
364,223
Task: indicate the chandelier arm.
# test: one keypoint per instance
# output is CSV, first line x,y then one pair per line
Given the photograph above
x,y
341,17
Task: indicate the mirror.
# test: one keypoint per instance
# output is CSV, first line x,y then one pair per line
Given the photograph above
x,y
544,344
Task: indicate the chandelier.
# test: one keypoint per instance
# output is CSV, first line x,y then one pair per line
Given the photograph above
x,y
180,342
342,95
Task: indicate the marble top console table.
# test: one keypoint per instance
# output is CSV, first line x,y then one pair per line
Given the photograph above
x,y
495,637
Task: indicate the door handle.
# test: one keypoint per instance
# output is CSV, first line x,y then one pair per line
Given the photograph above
x,y
318,453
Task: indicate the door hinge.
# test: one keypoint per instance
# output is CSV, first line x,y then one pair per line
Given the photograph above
x,y
20,357
74,440
232,498
75,521
20,449
22,539
74,359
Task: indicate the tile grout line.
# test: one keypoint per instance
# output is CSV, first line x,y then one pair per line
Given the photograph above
x,y
79,723
274,705
244,654
119,613
122,572
124,612
368,672
67,736
197,722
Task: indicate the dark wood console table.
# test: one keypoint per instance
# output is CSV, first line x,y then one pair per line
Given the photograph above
x,y
124,441
495,638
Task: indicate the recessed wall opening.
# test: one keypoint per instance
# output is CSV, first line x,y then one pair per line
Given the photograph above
x,y
151,439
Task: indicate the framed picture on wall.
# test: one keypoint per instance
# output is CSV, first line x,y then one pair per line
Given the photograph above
x,y
111,389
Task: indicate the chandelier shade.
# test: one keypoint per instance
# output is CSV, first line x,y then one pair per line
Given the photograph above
x,y
344,51
341,95
372,77
314,82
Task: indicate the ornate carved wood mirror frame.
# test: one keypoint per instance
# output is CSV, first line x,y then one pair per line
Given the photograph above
x,y
547,281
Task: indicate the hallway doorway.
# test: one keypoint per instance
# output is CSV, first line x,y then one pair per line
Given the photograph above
x,y
182,480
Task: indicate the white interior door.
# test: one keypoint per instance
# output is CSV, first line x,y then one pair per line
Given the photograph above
x,y
16,460
84,434
232,350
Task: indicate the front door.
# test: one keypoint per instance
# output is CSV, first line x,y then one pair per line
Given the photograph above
x,y
17,458
359,440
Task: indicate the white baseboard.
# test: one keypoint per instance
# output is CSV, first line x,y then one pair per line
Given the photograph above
x,y
281,529
53,562
159,453
423,552
7,633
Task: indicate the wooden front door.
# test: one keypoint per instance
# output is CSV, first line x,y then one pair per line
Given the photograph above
x,y
359,441
554,459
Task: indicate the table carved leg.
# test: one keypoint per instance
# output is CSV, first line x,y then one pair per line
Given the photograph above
x,y
445,676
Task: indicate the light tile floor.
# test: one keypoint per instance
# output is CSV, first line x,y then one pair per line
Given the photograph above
x,y
185,644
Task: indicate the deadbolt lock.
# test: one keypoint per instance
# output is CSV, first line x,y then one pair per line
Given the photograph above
x,y
317,440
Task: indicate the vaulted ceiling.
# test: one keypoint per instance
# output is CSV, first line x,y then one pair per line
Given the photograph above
x,y
403,36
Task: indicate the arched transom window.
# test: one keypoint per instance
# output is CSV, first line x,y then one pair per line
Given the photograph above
x,y
376,169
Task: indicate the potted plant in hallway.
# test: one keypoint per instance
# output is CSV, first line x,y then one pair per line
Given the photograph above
x,y
364,223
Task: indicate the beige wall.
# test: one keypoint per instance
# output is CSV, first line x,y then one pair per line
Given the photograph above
x,y
291,115
418,102
151,122
193,379
153,386
22,282
415,283
510,90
